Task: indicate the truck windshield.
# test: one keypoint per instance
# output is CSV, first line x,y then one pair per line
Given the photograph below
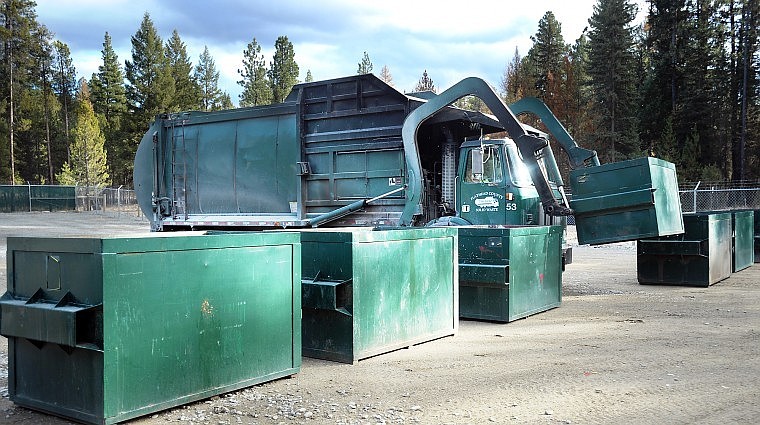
x,y
517,169
492,168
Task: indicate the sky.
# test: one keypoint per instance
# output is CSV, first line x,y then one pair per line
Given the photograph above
x,y
450,39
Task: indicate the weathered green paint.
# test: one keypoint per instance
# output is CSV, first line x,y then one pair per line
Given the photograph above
x,y
699,257
507,273
149,322
757,236
743,239
628,200
368,292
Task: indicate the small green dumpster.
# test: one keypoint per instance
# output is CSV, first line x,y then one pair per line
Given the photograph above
x,y
743,244
699,257
101,330
367,292
507,273
627,200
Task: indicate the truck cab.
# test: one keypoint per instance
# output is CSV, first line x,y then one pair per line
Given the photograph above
x,y
494,186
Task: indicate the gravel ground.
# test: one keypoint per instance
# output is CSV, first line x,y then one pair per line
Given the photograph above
x,y
615,352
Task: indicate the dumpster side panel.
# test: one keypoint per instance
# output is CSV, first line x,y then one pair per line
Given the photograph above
x,y
56,380
757,235
328,304
185,325
535,271
743,242
40,369
484,273
406,296
719,234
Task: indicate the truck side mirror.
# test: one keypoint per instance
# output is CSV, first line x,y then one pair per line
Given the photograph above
x,y
476,158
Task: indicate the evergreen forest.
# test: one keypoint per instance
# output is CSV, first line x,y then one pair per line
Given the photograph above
x,y
684,86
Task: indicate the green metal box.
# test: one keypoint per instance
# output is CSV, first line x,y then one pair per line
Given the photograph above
x,y
628,200
743,244
101,330
699,257
507,273
757,236
367,292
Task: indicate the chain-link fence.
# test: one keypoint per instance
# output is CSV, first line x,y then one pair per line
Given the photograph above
x,y
695,197
720,196
107,200
27,198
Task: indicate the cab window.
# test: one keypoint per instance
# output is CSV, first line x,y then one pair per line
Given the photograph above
x,y
491,166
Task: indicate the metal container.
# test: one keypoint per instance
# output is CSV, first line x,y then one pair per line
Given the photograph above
x,y
367,292
699,257
101,330
743,240
757,236
628,200
507,273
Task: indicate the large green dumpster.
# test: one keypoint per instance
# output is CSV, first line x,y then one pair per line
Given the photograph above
x,y
507,273
743,244
699,257
101,330
367,292
626,200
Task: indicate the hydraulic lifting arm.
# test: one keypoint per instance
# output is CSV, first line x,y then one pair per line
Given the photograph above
x,y
529,145
579,157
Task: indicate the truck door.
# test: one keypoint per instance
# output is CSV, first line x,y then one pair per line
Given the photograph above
x,y
481,190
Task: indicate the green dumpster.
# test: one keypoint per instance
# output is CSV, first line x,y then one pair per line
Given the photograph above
x,y
101,330
743,244
699,257
757,236
367,292
507,273
627,200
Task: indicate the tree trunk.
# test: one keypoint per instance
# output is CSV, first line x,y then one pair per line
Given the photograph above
x,y
745,90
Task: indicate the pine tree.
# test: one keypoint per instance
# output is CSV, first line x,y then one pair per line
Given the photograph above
x,y
546,57
611,69
385,75
309,77
365,66
187,93
65,86
44,63
151,87
256,88
283,70
425,83
511,90
150,91
212,98
20,22
109,101
87,166
577,94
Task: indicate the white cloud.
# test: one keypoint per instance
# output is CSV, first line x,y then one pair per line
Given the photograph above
x,y
451,39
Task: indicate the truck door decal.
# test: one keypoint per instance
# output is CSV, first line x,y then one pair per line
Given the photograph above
x,y
487,201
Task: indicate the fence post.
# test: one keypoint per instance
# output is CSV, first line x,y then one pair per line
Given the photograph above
x,y
694,199
29,192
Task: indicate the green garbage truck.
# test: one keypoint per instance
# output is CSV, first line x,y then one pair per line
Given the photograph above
x,y
356,152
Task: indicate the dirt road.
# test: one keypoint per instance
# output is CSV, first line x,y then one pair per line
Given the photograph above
x,y
615,352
